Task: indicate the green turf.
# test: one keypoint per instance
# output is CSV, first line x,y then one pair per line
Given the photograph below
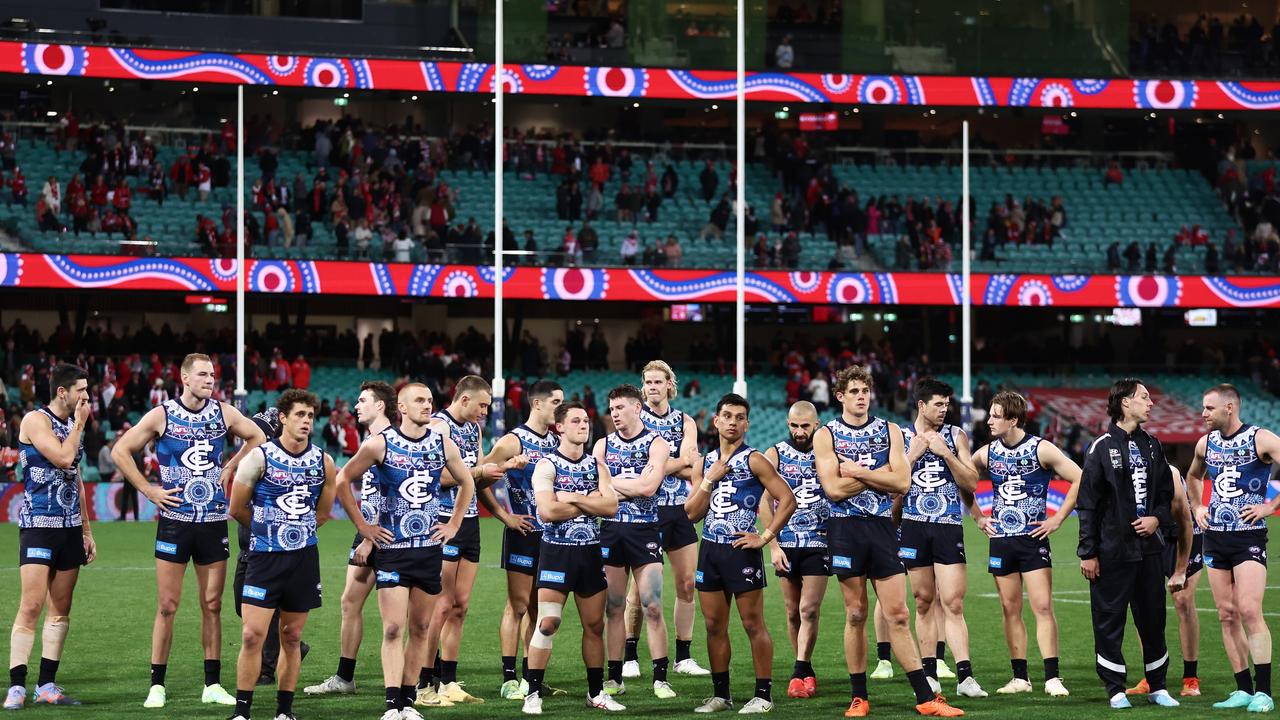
x,y
106,663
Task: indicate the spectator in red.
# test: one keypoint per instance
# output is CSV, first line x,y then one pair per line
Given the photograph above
x,y
52,192
280,372
45,217
18,186
181,173
301,373
204,181
158,395
123,198
74,187
1198,236
98,195
350,435
599,173
80,213
1114,175
156,187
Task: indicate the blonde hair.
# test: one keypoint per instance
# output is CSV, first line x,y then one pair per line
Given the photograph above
x,y
189,361
662,367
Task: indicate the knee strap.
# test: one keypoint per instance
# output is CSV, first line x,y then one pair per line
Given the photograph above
x,y
21,640
55,634
540,639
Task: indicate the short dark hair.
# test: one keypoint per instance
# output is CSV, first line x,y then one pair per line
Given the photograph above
x,y
544,389
294,396
383,393
65,375
626,390
1012,406
927,387
1226,391
733,399
562,412
470,385
1121,390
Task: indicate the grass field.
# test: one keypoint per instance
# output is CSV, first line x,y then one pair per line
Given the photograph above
x,y
106,663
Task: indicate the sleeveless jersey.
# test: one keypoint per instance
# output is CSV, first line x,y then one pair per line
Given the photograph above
x,y
1239,478
51,495
409,483
1138,475
576,476
467,437
807,527
370,496
190,455
674,489
735,500
867,445
1019,486
520,482
627,458
284,499
933,496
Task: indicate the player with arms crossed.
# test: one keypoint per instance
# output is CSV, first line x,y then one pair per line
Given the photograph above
x,y
731,484
190,432
861,464
1020,466
573,492
943,480
630,541
54,539
283,492
799,553
375,409
409,459
1238,459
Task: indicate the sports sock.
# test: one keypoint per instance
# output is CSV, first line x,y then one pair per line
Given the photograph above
x,y
212,672
508,668
1189,668
802,669
524,668
408,694
930,666
393,698
284,702
720,685
682,649
858,685
1244,681
244,702
535,680
942,650
439,668
448,671
48,671
1262,678
883,649
920,685
764,688
595,681
426,677
632,653
615,670
660,669
346,669
157,673
1019,668
18,676
964,670
1050,668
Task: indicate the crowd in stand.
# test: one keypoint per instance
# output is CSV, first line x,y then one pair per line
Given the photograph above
x,y
1210,45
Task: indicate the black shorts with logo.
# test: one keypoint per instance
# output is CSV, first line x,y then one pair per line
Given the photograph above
x,y
923,544
59,548
1194,563
1018,554
725,568
179,541
1225,550
520,552
630,544
466,544
806,562
288,581
410,567
675,529
351,556
577,569
863,546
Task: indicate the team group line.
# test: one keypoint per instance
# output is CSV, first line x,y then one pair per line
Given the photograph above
x,y
858,498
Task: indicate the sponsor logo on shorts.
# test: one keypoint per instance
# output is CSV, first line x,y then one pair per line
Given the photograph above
x,y
451,550
551,576
604,552
253,592
996,563
908,553
520,560
842,561
1208,560
698,577
651,547
167,548
40,553
388,577
1044,551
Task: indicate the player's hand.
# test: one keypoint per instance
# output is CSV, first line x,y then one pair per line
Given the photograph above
x,y
516,463
1145,526
444,532
361,554
1090,570
1202,517
717,471
987,526
779,560
748,541
376,534
1256,513
90,547
82,411
161,497
851,469
490,472
520,523
937,445
570,498
1045,528
1178,581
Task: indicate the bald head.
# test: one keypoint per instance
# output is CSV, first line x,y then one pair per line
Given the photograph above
x,y
802,423
802,409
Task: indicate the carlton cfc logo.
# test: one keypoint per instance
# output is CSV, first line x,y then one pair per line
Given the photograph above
x,y
416,489
929,478
1013,489
197,457
1226,483
722,500
296,502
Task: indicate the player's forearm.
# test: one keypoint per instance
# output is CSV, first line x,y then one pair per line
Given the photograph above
x,y
966,475
599,506
887,480
350,505
84,515
786,508
558,512
695,508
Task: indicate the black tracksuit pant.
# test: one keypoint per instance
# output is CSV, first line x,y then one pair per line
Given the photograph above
x,y
1121,587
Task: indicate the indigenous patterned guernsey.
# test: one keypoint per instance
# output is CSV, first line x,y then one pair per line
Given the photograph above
x,y
674,489
807,527
467,437
1239,478
933,496
284,500
1019,484
51,495
867,445
410,487
520,493
735,500
575,476
190,455
627,458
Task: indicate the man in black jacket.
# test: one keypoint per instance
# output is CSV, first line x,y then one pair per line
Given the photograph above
x,y
1126,492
